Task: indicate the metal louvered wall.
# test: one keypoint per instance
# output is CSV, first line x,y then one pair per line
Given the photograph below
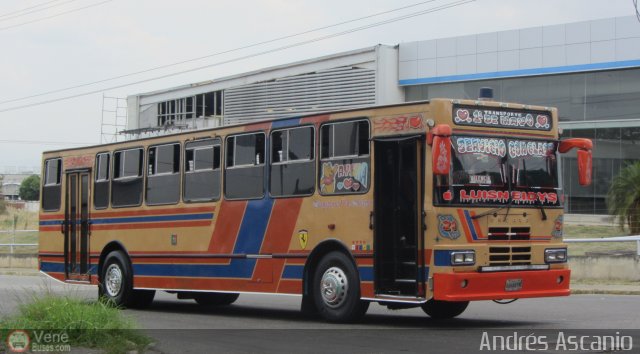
x,y
333,89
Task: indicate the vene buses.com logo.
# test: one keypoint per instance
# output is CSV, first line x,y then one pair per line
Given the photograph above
x,y
18,341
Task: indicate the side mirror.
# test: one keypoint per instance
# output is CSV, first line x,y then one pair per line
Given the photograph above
x,y
585,159
440,140
585,167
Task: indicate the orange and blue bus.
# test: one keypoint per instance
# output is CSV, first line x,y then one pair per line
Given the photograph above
x,y
430,204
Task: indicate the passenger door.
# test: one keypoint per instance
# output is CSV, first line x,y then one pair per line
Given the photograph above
x,y
76,226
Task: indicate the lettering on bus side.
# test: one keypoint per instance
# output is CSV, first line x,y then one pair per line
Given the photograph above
x,y
344,151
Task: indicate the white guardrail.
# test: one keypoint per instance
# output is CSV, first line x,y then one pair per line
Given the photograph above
x,y
635,238
13,243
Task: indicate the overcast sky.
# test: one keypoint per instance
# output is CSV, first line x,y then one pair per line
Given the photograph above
x,y
73,42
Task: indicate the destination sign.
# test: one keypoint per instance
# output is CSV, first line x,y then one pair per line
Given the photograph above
x,y
499,117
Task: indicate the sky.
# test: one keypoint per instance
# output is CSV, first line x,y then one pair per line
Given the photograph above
x,y
50,45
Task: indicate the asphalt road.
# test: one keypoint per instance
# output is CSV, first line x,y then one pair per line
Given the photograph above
x,y
265,323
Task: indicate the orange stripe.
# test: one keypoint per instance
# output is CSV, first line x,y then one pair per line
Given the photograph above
x,y
228,223
315,119
49,228
463,221
278,235
476,225
51,216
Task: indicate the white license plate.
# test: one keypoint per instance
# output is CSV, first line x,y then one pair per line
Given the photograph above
x,y
513,285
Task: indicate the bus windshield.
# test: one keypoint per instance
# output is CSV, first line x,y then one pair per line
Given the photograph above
x,y
492,171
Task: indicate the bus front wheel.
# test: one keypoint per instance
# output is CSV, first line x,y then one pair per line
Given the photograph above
x,y
440,310
336,289
116,283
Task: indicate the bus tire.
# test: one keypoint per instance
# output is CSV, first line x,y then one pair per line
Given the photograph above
x,y
116,283
336,289
441,310
215,299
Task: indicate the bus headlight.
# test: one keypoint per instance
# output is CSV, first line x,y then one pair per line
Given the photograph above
x,y
463,258
555,255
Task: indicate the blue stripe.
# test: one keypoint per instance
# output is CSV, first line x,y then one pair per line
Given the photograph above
x,y
523,72
472,228
285,123
426,272
442,258
254,226
141,219
366,273
293,272
237,268
52,267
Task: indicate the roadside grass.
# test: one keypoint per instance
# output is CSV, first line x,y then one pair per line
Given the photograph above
x,y
597,231
94,324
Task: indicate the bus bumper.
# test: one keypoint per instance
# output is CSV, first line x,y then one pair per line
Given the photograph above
x,y
492,286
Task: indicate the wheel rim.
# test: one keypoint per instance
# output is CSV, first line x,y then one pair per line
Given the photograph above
x,y
334,287
113,280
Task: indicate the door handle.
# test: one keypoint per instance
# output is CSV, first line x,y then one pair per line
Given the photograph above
x,y
63,225
371,221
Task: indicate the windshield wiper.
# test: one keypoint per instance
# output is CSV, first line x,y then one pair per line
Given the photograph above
x,y
529,189
495,210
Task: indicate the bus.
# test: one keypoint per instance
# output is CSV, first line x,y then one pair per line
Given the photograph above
x,y
430,204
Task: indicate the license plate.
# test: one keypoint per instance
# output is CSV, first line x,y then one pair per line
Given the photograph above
x,y
513,285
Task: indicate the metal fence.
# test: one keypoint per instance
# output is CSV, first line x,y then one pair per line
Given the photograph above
x,y
12,245
635,238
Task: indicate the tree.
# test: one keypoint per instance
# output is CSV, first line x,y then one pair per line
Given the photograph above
x,y
30,188
623,198
3,206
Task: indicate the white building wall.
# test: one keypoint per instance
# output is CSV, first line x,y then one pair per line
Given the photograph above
x,y
612,43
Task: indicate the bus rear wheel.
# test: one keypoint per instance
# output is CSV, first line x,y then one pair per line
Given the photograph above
x,y
441,310
336,289
116,283
215,299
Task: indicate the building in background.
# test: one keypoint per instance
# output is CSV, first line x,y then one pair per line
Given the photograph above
x,y
589,70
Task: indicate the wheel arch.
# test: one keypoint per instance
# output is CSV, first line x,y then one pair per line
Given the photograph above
x,y
110,247
322,249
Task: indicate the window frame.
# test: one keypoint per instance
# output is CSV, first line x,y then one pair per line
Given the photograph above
x,y
107,180
332,142
215,141
313,145
262,165
57,185
113,169
235,150
127,178
156,174
46,172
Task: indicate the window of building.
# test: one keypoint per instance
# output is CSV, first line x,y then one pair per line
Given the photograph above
x,y
201,105
244,175
292,170
163,174
127,183
101,182
51,189
345,158
202,171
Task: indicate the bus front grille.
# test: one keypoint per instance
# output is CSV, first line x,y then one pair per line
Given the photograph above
x,y
509,233
509,255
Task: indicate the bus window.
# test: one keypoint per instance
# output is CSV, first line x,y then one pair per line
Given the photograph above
x,y
344,153
202,171
52,184
292,167
101,182
244,172
126,186
163,174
